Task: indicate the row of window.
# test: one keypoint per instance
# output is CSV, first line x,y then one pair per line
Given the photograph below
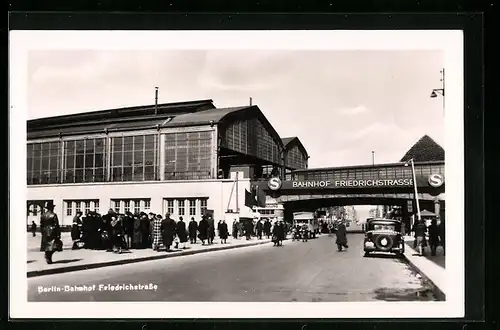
x,y
130,158
176,207
364,174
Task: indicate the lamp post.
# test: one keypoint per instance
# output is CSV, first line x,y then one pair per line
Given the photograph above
x,y
440,91
415,186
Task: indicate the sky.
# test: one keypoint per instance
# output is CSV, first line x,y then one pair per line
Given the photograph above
x,y
341,104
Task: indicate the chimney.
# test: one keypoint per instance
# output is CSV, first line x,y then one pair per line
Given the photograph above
x,y
250,101
156,101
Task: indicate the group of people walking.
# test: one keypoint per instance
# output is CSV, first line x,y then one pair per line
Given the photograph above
x,y
435,232
115,232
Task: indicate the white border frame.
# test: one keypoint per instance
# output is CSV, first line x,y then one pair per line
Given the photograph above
x,y
449,41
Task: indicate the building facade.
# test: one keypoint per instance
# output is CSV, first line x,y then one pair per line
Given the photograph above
x,y
182,158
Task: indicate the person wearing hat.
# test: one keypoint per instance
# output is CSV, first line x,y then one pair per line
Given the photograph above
x,y
193,229
181,232
203,227
51,232
157,238
168,229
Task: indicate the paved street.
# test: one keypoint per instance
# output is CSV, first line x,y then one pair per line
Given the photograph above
x,y
312,271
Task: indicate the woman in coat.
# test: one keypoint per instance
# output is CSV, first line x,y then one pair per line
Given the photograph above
x,y
193,229
157,238
223,232
137,234
144,230
181,232
168,229
203,229
341,233
76,230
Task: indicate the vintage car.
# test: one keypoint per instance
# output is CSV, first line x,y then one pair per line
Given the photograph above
x,y
384,235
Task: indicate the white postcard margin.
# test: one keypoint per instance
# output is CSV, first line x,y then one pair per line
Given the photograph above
x,y
448,41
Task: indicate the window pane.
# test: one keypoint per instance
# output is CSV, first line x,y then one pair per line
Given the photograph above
x,y
99,175
127,173
89,160
116,173
127,159
79,161
116,159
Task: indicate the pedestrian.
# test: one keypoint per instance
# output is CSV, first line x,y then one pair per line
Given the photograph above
x,y
33,228
223,232
441,231
181,233
43,239
275,233
137,233
248,229
151,218
118,233
211,230
304,231
267,228
341,234
144,231
420,231
433,236
157,237
106,231
203,229
218,226
235,229
51,232
259,228
129,228
193,229
281,232
76,230
168,231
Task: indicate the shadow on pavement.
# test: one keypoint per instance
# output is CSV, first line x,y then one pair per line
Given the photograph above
x,y
388,294
66,261
30,261
383,256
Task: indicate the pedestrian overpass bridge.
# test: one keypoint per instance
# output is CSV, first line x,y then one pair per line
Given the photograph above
x,y
381,184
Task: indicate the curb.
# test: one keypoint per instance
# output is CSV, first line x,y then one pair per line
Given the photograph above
x,y
60,270
440,295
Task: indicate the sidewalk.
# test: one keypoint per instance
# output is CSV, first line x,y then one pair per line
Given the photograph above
x,y
72,260
431,268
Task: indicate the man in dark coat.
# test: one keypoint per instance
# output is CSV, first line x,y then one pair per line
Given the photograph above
x,y
43,239
420,230
51,232
33,228
137,234
106,232
181,232
248,229
211,230
203,229
129,228
144,230
341,234
441,231
223,232
236,229
76,230
193,229
267,228
259,227
433,236
168,229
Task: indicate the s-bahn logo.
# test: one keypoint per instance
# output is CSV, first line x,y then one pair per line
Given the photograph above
x,y
436,180
274,183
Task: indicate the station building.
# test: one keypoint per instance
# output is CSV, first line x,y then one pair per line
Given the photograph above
x,y
185,158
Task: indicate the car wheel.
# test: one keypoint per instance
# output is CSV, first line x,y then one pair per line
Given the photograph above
x,y
367,254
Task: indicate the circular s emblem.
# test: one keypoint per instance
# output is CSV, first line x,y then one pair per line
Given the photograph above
x,y
274,183
436,180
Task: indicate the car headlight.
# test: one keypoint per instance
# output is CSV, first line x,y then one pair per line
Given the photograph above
x,y
369,244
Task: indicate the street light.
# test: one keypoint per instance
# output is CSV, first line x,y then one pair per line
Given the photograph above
x,y
415,186
439,91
